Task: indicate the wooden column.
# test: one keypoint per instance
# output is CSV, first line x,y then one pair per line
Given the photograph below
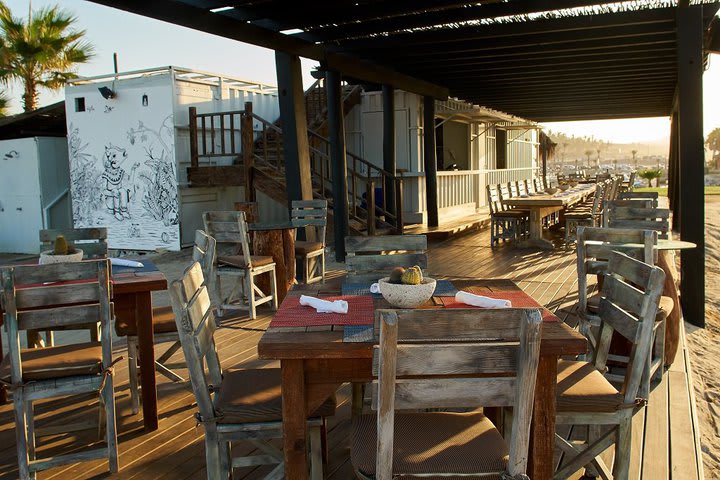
x,y
674,172
338,160
691,161
430,161
247,138
192,120
389,159
294,127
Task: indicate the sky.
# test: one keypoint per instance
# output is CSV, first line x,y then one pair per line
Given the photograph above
x,y
145,43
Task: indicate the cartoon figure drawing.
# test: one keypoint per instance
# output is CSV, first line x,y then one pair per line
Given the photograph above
x,y
119,185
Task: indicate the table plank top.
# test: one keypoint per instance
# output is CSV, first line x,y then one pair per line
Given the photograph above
x,y
559,199
327,342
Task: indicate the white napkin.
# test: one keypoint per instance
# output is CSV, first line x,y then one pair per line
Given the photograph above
x,y
375,288
121,262
480,301
324,306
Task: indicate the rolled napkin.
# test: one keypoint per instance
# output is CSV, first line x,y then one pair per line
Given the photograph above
x,y
324,306
375,288
121,262
480,301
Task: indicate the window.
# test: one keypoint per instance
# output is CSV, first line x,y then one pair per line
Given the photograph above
x,y
80,104
500,148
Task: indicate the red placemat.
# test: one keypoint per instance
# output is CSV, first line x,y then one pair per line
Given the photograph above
x,y
361,311
519,299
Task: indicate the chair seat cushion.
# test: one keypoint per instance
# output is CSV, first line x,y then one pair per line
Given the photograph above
x,y
163,322
254,396
666,305
238,261
56,362
582,388
436,442
303,248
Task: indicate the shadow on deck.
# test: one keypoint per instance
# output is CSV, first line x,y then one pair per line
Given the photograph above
x,y
665,433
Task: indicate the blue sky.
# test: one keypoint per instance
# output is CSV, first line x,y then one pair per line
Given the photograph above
x,y
144,43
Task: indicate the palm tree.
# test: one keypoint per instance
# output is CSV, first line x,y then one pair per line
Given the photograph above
x,y
598,157
634,154
650,174
3,105
713,143
42,52
588,153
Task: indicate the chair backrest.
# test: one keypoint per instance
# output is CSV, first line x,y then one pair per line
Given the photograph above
x,y
539,184
493,198
513,189
521,188
630,298
311,214
652,196
92,241
229,227
598,199
620,216
428,359
370,258
504,193
631,181
204,251
615,188
196,326
38,297
530,185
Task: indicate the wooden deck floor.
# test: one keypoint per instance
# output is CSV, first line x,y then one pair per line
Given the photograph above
x,y
665,439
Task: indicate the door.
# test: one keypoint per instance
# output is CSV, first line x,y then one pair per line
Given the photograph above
x,y
20,223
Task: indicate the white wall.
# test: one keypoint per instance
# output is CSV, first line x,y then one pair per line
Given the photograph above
x,y
122,162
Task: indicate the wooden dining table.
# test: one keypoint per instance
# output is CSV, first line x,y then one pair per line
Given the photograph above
x,y
132,299
315,361
542,205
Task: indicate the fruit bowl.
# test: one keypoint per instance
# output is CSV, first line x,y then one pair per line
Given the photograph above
x,y
551,190
564,187
573,183
407,296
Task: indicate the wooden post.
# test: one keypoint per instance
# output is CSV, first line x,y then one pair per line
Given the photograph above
x,y
399,227
338,160
294,125
247,137
370,208
389,159
691,164
192,115
430,162
674,172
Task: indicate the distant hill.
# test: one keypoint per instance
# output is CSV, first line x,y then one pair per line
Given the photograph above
x,y
571,147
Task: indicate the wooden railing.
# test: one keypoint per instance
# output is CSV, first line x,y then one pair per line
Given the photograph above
x,y
235,134
463,187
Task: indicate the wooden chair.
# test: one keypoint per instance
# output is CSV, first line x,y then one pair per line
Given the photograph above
x,y
620,216
629,303
630,184
427,359
593,255
371,258
311,214
632,195
164,330
243,268
505,224
93,243
582,215
233,405
39,297
539,184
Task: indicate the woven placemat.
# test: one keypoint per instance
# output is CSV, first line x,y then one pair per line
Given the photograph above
x,y
361,311
358,333
519,299
444,288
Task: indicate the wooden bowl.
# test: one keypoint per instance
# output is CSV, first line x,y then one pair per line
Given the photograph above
x,y
407,296
564,187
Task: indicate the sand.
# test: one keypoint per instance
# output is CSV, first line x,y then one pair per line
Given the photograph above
x,y
704,345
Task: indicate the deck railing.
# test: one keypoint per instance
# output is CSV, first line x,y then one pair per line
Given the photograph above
x,y
463,187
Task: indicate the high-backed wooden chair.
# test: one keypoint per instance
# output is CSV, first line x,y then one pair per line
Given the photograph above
x,y
40,297
93,243
629,303
371,258
233,405
164,330
633,195
428,359
311,214
620,216
243,268
505,223
582,215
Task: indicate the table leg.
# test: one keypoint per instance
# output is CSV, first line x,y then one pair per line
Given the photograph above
x,y
294,419
535,228
146,350
666,261
542,429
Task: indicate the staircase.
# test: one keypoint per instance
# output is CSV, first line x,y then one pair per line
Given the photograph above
x,y
215,135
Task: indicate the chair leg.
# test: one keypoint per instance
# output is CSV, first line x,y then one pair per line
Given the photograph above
x,y
621,466
50,338
225,460
21,438
316,464
218,292
133,374
273,289
660,349
323,265
251,294
212,455
30,419
324,442
108,395
308,273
